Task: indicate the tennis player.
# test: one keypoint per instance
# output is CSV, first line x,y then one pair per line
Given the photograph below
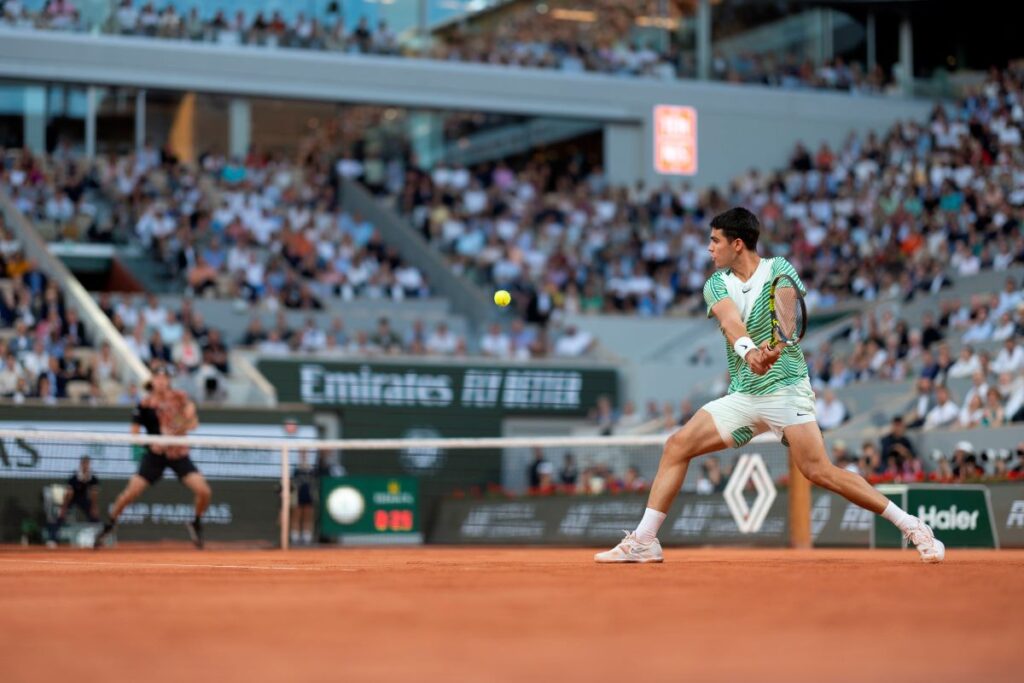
x,y
168,412
769,389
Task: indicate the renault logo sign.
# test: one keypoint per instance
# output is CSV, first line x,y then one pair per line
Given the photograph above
x,y
749,468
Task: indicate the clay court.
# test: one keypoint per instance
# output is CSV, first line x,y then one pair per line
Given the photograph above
x,y
508,615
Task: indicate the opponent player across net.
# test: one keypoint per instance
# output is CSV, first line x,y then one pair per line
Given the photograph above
x,y
769,389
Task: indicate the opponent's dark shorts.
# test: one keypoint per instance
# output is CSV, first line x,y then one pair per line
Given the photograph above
x,y
152,466
305,495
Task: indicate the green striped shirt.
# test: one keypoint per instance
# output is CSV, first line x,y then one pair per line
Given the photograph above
x,y
753,306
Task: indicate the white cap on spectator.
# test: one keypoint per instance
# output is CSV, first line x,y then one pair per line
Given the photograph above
x,y
965,446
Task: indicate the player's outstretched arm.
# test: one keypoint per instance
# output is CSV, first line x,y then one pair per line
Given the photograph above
x,y
728,316
191,416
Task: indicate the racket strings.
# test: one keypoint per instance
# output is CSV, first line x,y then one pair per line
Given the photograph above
x,y
788,312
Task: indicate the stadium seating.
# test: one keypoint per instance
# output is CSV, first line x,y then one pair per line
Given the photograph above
x,y
883,216
600,38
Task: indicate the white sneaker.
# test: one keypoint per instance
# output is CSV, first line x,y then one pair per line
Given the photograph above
x,y
632,550
923,538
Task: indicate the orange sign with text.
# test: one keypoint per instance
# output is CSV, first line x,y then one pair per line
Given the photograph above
x,y
675,140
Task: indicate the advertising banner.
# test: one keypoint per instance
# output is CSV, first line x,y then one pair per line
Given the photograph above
x,y
600,520
469,390
1008,513
960,514
240,510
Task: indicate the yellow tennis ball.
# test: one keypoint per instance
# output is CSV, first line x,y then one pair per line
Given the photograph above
x,y
502,298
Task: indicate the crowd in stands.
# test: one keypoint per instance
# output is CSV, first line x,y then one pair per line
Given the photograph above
x,y
46,353
263,229
523,38
884,216
895,459
544,478
885,348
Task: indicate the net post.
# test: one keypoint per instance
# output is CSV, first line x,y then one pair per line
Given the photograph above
x,y
286,486
799,507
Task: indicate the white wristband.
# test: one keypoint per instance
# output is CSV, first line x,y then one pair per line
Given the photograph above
x,y
743,346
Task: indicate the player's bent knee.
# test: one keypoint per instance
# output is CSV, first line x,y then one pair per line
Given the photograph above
x,y
819,474
679,447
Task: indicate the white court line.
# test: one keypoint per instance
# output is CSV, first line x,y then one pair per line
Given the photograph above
x,y
176,565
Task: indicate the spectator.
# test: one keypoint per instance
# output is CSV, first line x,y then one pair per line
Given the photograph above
x,y
980,330
442,341
1010,358
10,372
186,353
965,462
385,338
830,410
202,277
896,443
712,479
841,457
629,419
1011,391
254,333
945,413
153,313
574,343
604,416
923,401
273,344
994,414
215,353
311,338
534,470
1010,298
632,481
972,414
495,343
569,474
869,463
966,364
930,332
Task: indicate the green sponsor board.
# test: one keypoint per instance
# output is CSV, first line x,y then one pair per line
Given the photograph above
x,y
469,390
370,509
241,510
960,515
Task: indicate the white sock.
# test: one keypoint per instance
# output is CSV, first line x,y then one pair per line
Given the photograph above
x,y
307,537
294,536
895,514
647,530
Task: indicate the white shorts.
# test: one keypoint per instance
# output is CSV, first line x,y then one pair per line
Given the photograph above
x,y
741,417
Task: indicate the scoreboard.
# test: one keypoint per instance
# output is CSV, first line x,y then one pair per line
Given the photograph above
x,y
370,510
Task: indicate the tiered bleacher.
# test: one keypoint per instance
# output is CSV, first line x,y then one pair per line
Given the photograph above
x,y
598,36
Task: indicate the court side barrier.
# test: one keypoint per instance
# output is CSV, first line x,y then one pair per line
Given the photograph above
x,y
698,520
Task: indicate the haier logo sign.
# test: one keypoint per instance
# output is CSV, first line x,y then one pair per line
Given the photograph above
x,y
949,519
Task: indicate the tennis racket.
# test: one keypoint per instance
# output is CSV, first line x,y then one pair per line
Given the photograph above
x,y
789,312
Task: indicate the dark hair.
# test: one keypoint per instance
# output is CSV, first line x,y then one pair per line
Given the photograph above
x,y
739,224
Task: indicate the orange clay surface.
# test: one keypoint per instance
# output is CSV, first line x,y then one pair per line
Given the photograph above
x,y
446,614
